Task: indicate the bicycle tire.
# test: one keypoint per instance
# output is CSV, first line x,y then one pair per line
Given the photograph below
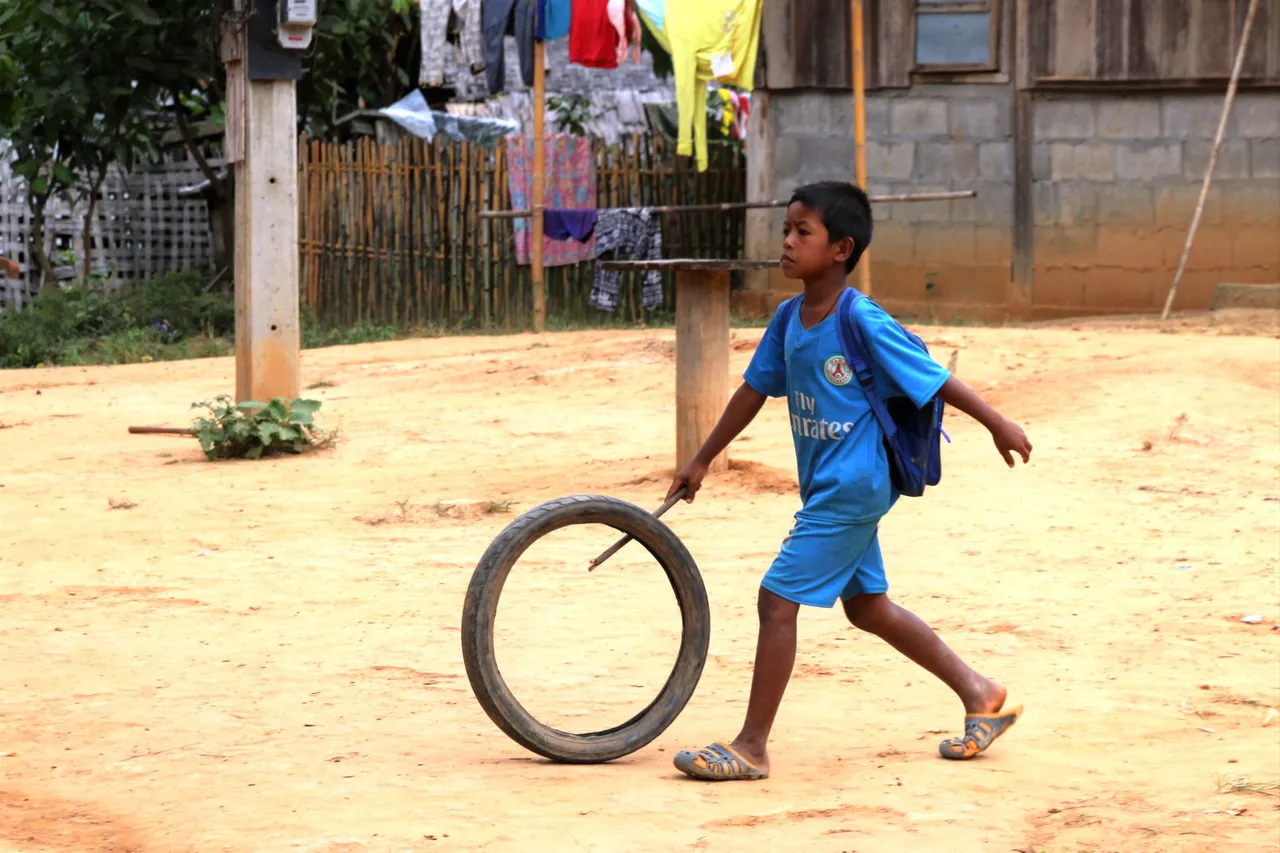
x,y
481,607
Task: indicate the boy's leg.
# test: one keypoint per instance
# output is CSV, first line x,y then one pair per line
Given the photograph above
x,y
747,755
775,656
907,633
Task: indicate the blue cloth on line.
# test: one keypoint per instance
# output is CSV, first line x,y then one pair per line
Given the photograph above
x,y
569,224
655,11
553,19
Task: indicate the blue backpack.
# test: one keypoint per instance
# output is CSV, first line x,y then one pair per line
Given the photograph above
x,y
912,437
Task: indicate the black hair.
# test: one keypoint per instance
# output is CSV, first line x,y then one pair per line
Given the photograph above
x,y
845,212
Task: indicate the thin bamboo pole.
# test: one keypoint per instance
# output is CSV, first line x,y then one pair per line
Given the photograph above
x,y
725,207
1213,157
539,182
860,131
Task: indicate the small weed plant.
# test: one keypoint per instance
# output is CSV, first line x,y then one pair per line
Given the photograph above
x,y
252,430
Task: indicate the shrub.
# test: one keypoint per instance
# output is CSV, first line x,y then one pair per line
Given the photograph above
x,y
251,430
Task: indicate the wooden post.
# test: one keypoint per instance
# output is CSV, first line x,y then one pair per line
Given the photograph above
x,y
1022,274
266,262
860,130
539,182
702,360
1213,157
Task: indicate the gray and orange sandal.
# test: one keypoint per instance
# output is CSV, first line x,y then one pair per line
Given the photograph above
x,y
717,763
980,731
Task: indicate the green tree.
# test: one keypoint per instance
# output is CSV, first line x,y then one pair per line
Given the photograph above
x,y
79,88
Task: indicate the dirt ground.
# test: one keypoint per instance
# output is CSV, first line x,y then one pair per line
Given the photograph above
x,y
265,656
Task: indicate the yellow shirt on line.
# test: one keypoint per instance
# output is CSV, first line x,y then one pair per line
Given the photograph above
x,y
709,40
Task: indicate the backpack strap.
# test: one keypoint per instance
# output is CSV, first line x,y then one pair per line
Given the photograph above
x,y
855,350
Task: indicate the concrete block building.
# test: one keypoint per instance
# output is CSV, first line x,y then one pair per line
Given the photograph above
x,y
1084,125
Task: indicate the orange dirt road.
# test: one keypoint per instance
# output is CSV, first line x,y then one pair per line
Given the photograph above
x,y
265,656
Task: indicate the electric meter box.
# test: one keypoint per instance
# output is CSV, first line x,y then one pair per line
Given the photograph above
x,y
275,35
297,18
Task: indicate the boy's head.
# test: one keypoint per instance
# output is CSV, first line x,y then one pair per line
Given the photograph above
x,y
828,225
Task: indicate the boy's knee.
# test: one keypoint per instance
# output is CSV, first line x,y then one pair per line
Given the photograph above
x,y
774,608
867,612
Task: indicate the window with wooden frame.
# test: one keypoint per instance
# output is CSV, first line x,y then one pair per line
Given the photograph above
x,y
954,36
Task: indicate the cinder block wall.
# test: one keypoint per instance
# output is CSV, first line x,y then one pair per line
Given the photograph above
x,y
1115,183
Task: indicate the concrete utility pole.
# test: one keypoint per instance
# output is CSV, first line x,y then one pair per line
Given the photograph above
x,y
261,47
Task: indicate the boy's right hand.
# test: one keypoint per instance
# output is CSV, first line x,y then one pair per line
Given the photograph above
x,y
691,477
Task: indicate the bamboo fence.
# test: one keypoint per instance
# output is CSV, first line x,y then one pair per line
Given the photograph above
x,y
390,234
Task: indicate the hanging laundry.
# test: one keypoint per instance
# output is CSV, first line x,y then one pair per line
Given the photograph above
x,y
728,111
655,11
553,19
622,14
577,225
570,185
434,17
498,21
601,32
711,40
633,234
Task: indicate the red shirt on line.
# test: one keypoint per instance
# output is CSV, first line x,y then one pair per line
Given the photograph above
x,y
593,40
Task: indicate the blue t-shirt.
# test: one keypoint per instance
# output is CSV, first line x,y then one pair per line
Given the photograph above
x,y
843,466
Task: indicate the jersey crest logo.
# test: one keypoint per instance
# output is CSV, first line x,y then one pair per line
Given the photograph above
x,y
837,370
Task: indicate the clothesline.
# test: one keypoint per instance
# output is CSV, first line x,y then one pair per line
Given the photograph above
x,y
746,205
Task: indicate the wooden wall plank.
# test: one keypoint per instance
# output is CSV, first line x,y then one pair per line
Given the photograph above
x,y
1264,43
1273,46
894,50
1073,38
1215,34
806,44
1175,55
778,45
1149,41
1111,43
823,51
1146,28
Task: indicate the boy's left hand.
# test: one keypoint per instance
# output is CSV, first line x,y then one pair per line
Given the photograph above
x,y
1010,439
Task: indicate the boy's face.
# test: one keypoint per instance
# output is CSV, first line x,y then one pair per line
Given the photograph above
x,y
807,250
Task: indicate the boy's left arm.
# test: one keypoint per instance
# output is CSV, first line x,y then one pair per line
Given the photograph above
x,y
1008,436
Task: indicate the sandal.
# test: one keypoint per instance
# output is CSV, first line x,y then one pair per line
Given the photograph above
x,y
717,763
980,731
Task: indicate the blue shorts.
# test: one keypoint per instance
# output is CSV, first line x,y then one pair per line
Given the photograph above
x,y
825,561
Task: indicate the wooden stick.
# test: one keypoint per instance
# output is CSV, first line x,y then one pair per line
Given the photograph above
x,y
539,181
753,205
860,131
150,430
1213,157
618,546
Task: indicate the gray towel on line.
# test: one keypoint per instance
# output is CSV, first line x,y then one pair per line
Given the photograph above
x,y
434,26
634,234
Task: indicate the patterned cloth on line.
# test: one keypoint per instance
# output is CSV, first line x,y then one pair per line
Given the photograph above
x,y
634,234
570,185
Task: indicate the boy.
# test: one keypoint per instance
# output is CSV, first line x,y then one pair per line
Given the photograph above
x,y
832,552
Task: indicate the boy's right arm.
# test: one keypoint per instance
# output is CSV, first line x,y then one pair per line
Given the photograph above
x,y
742,410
